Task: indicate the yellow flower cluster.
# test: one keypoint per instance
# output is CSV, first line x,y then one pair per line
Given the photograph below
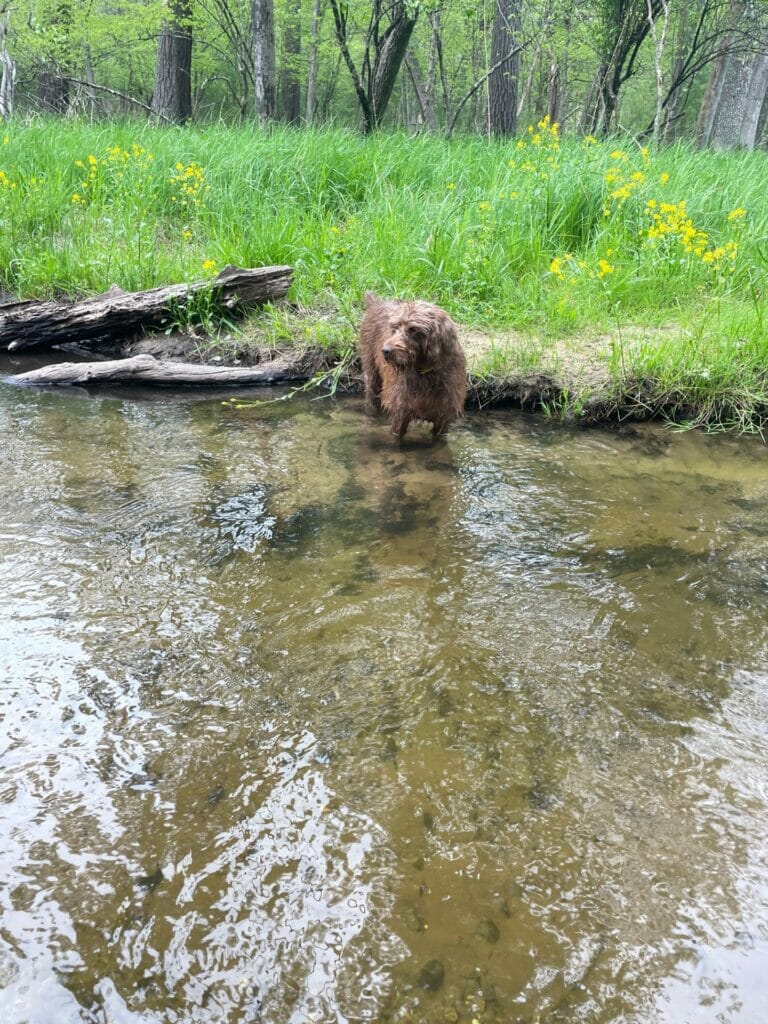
x,y
5,181
567,266
136,153
118,164
671,221
623,179
189,183
544,139
548,134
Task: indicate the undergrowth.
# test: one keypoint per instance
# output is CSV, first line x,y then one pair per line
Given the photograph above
x,y
552,236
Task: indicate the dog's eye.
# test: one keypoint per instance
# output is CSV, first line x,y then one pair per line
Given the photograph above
x,y
416,334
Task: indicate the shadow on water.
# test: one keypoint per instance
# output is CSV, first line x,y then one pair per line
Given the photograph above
x,y
301,724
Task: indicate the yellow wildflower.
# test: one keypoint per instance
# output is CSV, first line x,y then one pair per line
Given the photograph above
x,y
737,214
209,265
663,178
604,267
484,206
556,266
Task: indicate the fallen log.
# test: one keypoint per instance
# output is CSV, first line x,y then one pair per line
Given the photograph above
x,y
145,369
119,314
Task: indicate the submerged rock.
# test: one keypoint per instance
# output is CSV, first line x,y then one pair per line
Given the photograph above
x,y
488,930
432,976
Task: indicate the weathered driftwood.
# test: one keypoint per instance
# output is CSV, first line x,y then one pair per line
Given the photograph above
x,y
119,314
145,369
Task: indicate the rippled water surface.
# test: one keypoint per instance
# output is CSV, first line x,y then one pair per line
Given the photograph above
x,y
302,727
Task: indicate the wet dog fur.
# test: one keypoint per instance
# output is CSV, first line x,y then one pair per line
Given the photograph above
x,y
413,365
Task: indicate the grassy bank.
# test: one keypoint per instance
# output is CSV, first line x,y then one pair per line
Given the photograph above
x,y
649,267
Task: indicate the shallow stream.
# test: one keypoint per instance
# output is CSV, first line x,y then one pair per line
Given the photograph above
x,y
298,726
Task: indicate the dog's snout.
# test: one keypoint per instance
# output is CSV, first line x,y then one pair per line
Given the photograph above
x,y
386,351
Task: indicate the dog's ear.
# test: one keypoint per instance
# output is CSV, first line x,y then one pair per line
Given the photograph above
x,y
370,299
441,334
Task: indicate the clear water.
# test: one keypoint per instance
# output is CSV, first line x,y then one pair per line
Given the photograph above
x,y
302,727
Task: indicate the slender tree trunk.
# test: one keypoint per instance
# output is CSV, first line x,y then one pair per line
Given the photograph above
x,y
96,105
311,105
555,91
263,17
502,84
659,42
7,65
678,92
436,55
423,97
290,87
172,98
525,92
710,102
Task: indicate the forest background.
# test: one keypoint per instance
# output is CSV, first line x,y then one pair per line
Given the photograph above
x,y
667,69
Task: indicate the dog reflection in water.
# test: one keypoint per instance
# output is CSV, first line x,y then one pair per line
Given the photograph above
x,y
413,365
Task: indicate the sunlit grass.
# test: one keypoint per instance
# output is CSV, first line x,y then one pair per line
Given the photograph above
x,y
549,235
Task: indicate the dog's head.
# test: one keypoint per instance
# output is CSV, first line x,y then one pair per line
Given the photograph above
x,y
418,333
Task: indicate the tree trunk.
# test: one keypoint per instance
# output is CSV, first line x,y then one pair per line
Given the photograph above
x,y
731,111
146,369
172,98
625,28
263,17
389,57
290,87
119,314
374,83
755,101
502,83
7,65
311,104
678,89
555,93
52,91
423,97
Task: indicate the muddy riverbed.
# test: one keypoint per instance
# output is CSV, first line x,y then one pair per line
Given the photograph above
x,y
302,727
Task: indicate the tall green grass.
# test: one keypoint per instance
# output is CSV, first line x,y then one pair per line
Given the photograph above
x,y
553,236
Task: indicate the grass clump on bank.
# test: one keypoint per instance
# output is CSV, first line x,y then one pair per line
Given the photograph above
x,y
661,253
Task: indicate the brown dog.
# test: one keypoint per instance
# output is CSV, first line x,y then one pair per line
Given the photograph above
x,y
413,364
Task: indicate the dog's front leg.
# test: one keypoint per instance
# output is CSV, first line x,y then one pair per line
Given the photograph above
x,y
440,428
400,424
